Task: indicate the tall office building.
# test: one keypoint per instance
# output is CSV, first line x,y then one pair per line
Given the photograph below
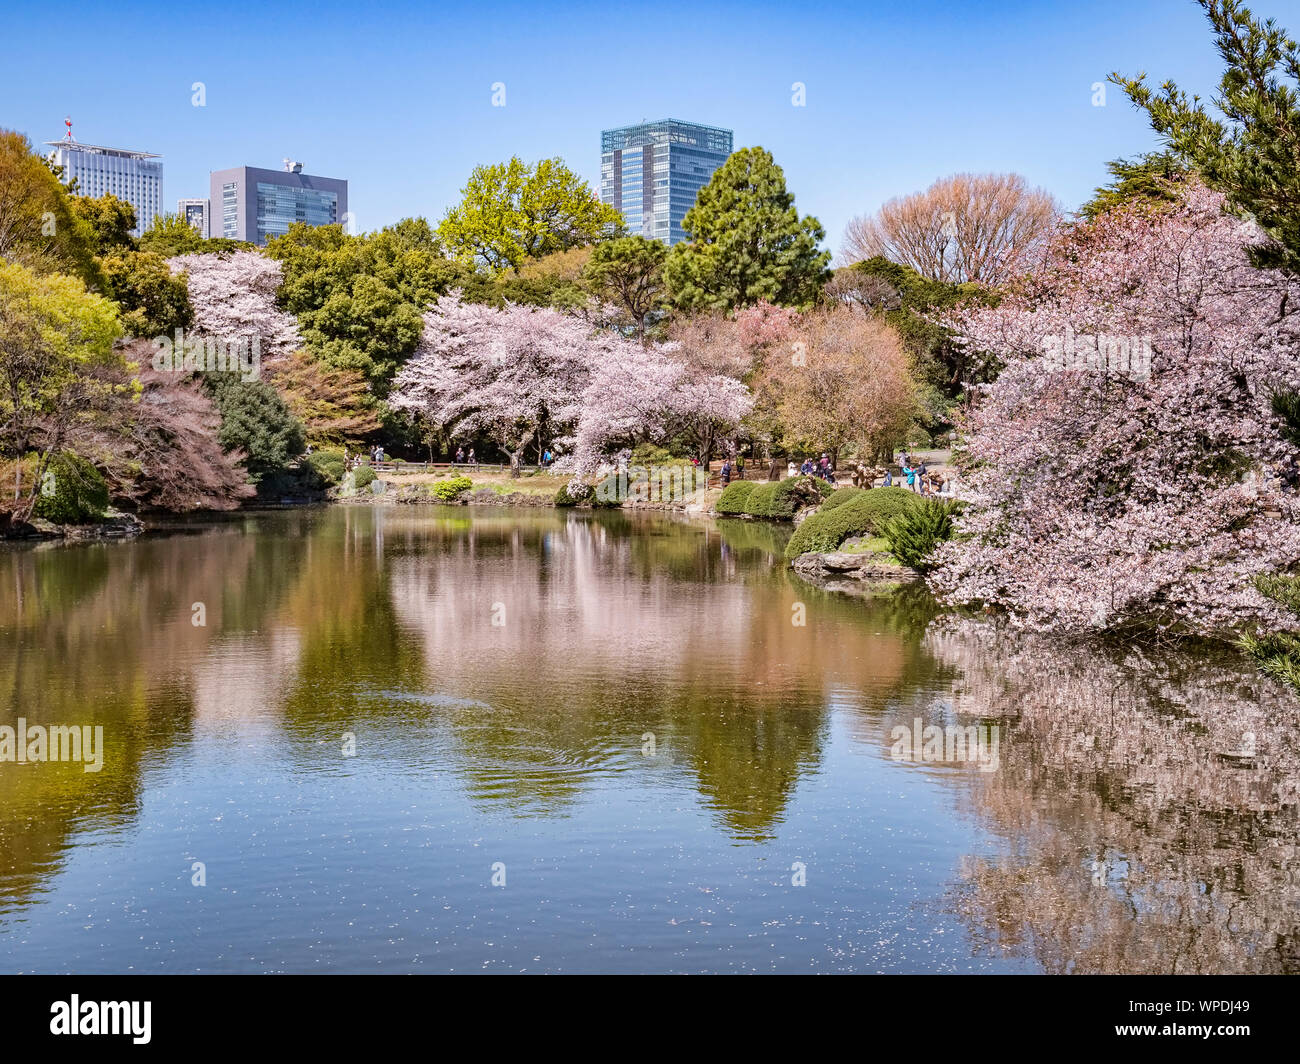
x,y
652,172
253,204
197,212
132,176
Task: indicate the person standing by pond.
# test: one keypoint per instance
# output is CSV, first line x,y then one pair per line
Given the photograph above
x,y
740,467
726,472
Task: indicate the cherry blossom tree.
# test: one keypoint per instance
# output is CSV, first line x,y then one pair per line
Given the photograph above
x,y
1107,493
650,394
525,374
233,295
517,373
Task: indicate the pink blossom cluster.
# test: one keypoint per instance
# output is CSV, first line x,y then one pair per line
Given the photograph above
x,y
527,374
1103,501
233,295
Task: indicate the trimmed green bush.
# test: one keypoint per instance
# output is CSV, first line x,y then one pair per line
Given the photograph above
x,y
363,477
71,492
795,493
864,514
840,496
452,489
735,496
915,532
759,503
329,464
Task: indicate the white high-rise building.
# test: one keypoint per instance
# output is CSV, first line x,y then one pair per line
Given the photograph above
x,y
198,213
133,176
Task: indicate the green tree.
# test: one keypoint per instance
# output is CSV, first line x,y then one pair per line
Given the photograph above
x,y
359,300
748,243
110,220
512,212
257,422
55,339
169,235
154,302
630,270
1147,179
1250,154
38,226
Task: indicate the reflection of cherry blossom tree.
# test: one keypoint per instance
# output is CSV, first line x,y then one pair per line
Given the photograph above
x,y
1146,805
1104,499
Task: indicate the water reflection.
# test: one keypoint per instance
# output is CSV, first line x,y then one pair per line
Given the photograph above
x,y
1147,806
611,676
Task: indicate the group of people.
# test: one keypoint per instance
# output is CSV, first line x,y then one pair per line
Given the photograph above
x,y
918,478
730,469
355,461
820,468
463,459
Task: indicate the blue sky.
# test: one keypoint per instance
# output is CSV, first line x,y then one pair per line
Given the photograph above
x,y
396,98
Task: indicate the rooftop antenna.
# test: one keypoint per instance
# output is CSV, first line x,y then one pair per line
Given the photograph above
x,y
68,122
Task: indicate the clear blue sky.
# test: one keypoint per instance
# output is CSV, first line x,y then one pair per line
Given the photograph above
x,y
396,98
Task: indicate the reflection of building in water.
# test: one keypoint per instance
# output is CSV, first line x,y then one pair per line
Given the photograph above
x,y
1137,835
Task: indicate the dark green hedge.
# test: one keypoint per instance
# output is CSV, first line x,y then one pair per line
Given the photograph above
x,y
863,514
735,496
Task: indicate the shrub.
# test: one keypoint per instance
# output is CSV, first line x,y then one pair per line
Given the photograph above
x,y
580,493
759,503
647,454
452,489
257,421
840,496
915,532
865,513
795,493
72,491
735,497
363,477
329,464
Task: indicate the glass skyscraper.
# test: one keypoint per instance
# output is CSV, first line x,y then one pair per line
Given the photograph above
x,y
652,172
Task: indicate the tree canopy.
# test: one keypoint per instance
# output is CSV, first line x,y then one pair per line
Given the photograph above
x,y
515,211
1251,153
748,243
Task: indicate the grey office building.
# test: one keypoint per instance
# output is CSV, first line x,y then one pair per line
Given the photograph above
x,y
652,172
252,204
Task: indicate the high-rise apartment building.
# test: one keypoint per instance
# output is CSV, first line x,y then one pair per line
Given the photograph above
x,y
652,172
198,213
252,204
133,176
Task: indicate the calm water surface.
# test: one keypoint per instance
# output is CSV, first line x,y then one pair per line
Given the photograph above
x,y
620,715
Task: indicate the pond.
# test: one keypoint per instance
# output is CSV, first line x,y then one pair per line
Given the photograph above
x,y
392,739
